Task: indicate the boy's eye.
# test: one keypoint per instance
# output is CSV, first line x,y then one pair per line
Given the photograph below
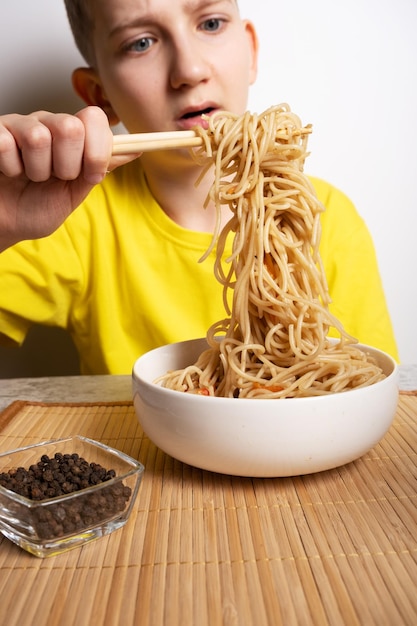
x,y
141,45
212,24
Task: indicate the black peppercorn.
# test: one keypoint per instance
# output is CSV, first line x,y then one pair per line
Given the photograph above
x,y
61,475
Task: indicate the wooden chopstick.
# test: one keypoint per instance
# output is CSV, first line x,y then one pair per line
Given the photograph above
x,y
145,142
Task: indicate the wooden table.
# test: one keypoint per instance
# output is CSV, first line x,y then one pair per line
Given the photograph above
x,y
66,389
338,547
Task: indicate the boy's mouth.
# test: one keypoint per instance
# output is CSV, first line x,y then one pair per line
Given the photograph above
x,y
197,113
195,117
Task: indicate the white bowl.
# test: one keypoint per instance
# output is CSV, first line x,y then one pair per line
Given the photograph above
x,y
260,437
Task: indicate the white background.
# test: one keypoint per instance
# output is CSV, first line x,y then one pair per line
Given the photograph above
x,y
349,68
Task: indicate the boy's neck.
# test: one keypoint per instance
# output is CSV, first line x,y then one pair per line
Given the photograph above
x,y
173,185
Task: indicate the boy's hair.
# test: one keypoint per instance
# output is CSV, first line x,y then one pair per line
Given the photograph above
x,y
79,17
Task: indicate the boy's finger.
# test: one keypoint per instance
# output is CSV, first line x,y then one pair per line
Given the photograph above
x,y
67,135
97,144
117,161
10,158
32,145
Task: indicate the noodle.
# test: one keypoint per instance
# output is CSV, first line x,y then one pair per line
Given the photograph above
x,y
274,341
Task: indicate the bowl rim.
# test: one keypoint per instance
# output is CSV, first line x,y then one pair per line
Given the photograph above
x,y
394,373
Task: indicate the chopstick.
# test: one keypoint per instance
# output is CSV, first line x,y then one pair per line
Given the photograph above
x,y
145,142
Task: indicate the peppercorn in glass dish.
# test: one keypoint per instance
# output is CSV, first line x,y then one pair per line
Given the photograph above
x,y
60,494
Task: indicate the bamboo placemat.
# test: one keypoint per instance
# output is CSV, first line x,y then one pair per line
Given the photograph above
x,y
204,549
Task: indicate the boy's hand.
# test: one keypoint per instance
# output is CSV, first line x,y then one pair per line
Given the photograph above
x,y
48,165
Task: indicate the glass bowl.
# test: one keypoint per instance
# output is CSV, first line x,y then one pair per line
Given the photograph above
x,y
46,527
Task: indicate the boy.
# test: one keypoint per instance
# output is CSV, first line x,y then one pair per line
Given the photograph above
x,y
121,272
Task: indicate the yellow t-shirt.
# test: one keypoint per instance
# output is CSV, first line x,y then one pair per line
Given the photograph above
x,y
123,278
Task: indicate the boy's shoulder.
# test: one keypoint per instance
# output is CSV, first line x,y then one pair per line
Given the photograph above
x,y
329,194
342,226
339,211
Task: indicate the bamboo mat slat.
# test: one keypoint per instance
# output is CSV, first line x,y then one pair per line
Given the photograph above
x,y
338,547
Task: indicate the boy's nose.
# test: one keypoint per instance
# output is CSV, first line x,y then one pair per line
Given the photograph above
x,y
188,66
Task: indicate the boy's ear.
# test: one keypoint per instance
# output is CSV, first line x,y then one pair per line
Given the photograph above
x,y
88,87
253,48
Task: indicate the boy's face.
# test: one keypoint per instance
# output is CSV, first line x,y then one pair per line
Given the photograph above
x,y
160,64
